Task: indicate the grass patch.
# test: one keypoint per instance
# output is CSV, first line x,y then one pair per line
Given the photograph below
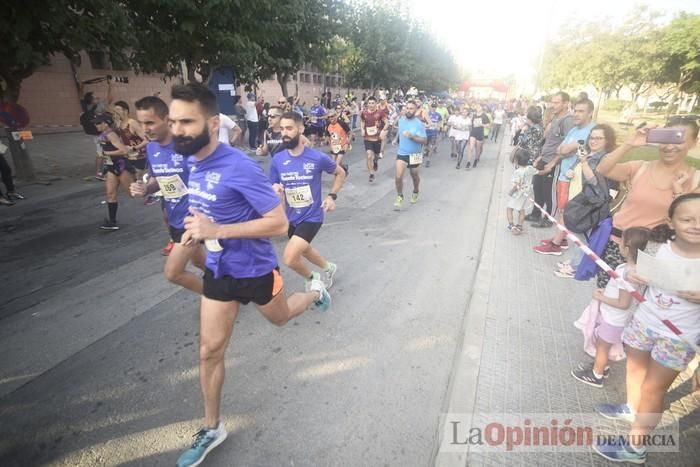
x,y
646,153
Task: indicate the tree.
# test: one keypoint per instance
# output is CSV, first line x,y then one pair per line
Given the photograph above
x,y
203,34
389,50
304,39
680,41
32,31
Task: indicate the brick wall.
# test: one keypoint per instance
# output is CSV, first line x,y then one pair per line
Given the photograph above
x,y
52,99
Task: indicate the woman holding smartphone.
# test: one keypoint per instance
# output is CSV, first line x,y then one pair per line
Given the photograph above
x,y
653,185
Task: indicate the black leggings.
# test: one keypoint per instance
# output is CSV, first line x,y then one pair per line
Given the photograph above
x,y
542,188
252,134
6,173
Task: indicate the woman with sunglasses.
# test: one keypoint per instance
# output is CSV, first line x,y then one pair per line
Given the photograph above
x,y
653,185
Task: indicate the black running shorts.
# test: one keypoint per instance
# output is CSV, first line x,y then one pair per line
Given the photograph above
x,y
305,230
374,146
407,160
175,234
259,290
477,133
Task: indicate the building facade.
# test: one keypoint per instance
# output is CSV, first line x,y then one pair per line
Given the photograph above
x,y
52,96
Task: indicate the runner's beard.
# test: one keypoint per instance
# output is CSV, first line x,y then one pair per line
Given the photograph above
x,y
188,145
290,143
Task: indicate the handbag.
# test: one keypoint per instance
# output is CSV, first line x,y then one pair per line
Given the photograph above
x,y
585,210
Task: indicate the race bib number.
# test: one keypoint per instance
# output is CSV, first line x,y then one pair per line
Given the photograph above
x,y
299,197
414,159
172,187
371,130
336,148
314,119
213,245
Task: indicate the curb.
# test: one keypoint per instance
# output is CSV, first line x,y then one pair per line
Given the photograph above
x,y
461,390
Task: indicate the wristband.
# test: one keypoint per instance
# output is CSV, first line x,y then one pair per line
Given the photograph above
x,y
333,196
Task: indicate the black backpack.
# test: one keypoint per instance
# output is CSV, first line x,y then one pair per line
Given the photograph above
x,y
86,121
585,211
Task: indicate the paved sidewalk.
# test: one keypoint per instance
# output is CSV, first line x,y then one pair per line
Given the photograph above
x,y
520,346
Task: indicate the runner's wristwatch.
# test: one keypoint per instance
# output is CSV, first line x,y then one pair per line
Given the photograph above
x,y
333,196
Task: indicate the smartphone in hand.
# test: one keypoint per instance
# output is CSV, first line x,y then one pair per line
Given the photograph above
x,y
666,136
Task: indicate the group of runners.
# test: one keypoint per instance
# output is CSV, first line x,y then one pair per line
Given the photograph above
x,y
221,209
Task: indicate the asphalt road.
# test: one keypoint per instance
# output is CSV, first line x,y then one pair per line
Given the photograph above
x,y
99,353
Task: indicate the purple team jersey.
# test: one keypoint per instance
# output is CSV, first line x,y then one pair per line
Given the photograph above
x,y
301,178
436,118
231,188
171,170
315,114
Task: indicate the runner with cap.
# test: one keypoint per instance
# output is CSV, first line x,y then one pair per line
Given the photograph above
x,y
120,171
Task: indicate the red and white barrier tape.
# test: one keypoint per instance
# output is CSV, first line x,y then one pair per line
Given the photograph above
x,y
611,272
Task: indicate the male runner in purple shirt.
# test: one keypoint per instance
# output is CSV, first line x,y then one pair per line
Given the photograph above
x,y
233,210
296,174
169,174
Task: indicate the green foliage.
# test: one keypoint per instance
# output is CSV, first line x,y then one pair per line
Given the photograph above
x,y
31,31
389,50
615,105
205,34
681,42
637,54
372,44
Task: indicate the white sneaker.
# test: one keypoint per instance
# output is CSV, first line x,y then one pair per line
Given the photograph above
x,y
324,299
307,283
327,276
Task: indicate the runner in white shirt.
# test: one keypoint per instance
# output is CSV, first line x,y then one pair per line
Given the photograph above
x,y
499,116
460,129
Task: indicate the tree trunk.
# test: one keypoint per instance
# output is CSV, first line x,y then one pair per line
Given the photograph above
x,y
191,78
13,85
597,106
671,102
282,79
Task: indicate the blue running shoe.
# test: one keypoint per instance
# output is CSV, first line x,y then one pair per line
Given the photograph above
x,y
616,412
205,440
324,300
618,452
